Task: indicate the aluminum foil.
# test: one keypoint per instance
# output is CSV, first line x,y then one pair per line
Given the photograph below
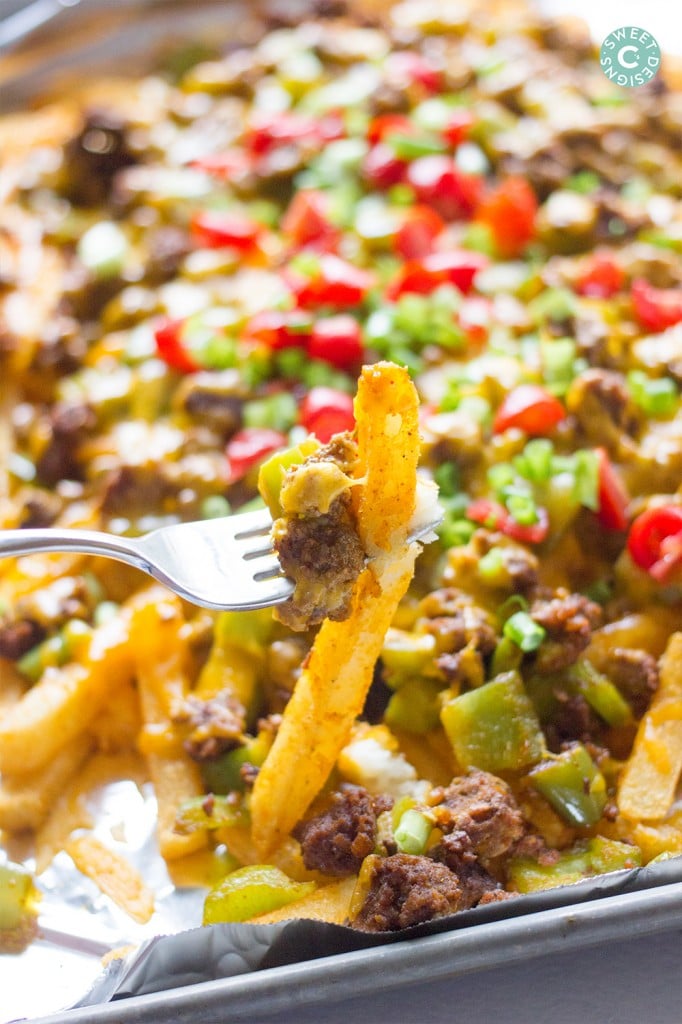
x,y
78,925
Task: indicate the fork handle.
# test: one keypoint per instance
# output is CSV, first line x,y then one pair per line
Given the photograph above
x,y
89,542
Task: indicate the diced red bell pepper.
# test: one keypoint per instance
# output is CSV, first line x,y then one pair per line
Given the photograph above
x,y
326,411
338,341
456,266
250,446
285,128
171,348
655,540
417,233
230,164
602,278
530,408
458,125
438,182
496,517
306,220
336,283
217,229
280,328
388,124
656,308
381,168
509,211
613,498
411,68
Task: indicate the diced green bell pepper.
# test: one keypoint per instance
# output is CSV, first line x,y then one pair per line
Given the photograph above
x,y
222,775
495,726
272,472
209,813
17,895
247,892
600,693
593,857
414,706
407,654
573,785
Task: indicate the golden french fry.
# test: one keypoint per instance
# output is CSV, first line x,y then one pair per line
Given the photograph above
x,y
160,658
648,782
332,687
70,810
27,799
65,700
387,416
113,874
328,903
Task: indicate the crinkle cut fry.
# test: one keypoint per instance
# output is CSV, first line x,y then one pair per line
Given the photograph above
x,y
332,687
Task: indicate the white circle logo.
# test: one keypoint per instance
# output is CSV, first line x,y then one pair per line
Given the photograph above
x,y
630,56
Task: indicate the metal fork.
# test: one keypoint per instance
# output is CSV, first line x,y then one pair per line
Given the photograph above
x,y
225,563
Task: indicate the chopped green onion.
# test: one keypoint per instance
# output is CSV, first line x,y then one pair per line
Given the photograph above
x,y
559,361
535,461
401,195
553,304
524,631
452,533
583,182
407,147
278,412
215,506
412,833
491,567
656,396
586,479
500,476
522,507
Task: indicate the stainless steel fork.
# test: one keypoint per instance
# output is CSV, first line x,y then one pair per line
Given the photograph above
x,y
226,563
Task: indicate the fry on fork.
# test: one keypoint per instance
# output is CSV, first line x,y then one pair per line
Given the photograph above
x,y
332,687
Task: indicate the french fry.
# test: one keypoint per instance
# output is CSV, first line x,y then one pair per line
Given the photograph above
x,y
160,658
27,799
70,810
328,903
649,780
64,702
387,416
113,874
332,687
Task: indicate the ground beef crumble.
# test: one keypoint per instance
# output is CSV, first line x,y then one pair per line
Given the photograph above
x,y
407,890
217,725
569,620
483,807
337,841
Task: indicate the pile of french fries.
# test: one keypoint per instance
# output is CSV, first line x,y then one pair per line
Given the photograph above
x,y
111,712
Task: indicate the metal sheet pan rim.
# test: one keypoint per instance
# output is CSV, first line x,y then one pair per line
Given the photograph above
x,y
447,955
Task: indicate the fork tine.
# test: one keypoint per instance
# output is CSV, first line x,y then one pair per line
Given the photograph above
x,y
253,524
259,553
